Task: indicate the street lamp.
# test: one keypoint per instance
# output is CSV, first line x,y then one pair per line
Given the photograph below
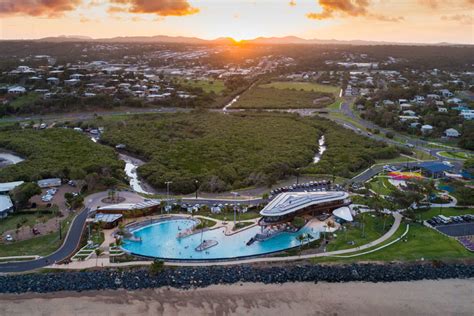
x,y
196,182
168,191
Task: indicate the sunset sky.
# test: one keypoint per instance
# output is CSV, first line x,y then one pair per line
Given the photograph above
x,y
389,20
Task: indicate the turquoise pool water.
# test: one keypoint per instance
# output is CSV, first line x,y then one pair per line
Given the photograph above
x,y
159,240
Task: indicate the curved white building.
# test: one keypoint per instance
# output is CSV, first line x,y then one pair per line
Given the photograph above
x,y
285,206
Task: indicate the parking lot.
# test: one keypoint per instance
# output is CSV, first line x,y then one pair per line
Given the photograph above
x,y
56,198
454,226
312,186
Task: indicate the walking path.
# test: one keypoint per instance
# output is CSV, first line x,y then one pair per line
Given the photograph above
x,y
104,262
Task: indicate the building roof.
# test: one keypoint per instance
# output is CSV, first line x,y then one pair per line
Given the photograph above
x,y
5,203
130,206
107,218
434,166
343,213
46,183
9,186
289,202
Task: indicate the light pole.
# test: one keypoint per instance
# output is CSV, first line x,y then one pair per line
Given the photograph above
x,y
168,191
196,182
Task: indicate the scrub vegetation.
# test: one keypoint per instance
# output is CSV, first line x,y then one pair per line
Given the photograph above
x,y
61,153
229,151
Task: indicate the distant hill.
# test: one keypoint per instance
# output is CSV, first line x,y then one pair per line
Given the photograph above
x,y
227,40
66,38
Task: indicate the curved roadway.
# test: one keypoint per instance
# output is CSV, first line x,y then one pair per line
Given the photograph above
x,y
70,244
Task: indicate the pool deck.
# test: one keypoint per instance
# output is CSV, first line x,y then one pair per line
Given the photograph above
x,y
105,262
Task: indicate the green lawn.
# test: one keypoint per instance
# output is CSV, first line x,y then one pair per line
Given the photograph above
x,y
381,186
306,86
422,242
309,87
336,105
23,100
372,231
41,245
425,215
394,160
25,218
216,86
455,155
347,119
285,95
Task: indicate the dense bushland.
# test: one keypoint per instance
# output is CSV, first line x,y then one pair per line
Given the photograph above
x,y
57,152
224,152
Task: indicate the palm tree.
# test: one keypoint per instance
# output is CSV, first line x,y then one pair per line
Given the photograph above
x,y
118,242
98,253
301,238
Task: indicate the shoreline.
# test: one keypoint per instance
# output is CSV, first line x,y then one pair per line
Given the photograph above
x,y
185,278
433,297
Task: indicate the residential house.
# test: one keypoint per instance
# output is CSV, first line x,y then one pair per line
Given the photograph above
x,y
454,101
409,113
6,206
433,97
426,129
16,90
467,114
446,93
451,132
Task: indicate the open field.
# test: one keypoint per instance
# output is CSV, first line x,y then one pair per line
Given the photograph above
x,y
421,243
27,99
25,218
374,229
306,86
209,86
56,152
455,155
42,245
444,211
381,186
287,95
310,87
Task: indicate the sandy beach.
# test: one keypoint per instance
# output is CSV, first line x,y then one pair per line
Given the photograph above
x,y
445,297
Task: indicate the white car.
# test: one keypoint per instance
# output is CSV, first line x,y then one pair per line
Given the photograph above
x,y
8,238
47,198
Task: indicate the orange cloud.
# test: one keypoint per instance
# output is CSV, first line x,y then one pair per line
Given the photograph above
x,y
347,7
159,7
292,3
435,4
461,18
37,7
333,8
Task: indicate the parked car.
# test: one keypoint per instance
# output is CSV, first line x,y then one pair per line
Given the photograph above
x,y
8,238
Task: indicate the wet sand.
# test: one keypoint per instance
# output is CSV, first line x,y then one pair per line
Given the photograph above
x,y
445,297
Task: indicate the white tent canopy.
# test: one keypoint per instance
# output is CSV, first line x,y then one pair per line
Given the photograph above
x,y
343,213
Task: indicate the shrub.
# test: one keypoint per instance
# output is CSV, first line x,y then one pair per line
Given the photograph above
x,y
156,267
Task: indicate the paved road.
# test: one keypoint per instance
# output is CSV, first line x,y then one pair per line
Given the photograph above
x,y
69,246
418,143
